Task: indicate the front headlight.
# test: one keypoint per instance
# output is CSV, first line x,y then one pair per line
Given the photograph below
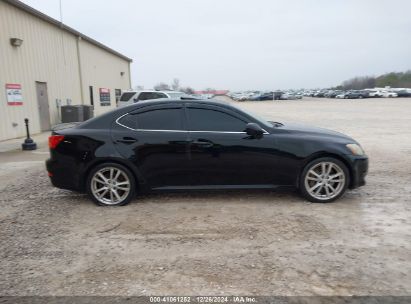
x,y
355,149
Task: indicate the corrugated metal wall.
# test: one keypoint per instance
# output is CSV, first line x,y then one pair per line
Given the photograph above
x,y
49,54
102,69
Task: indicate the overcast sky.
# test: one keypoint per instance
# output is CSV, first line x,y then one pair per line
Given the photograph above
x,y
253,44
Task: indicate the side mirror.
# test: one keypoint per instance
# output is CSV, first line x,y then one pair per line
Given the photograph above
x,y
254,130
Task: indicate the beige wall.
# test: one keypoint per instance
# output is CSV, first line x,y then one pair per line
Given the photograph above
x,y
102,69
49,54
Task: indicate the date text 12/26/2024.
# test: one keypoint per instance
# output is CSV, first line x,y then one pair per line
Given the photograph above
x,y
203,299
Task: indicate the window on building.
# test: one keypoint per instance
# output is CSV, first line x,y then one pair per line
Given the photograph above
x,y
91,95
117,94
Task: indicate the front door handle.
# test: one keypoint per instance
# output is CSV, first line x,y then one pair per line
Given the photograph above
x,y
127,140
203,143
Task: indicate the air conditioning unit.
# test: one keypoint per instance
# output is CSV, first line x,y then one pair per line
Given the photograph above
x,y
88,112
76,113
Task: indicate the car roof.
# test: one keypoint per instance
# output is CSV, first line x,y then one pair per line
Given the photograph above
x,y
161,101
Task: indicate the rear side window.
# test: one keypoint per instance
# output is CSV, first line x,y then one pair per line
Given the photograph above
x,y
156,119
214,120
127,96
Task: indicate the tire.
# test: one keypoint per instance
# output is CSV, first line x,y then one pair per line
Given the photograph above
x,y
111,184
339,183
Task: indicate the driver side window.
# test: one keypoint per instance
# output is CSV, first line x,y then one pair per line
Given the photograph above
x,y
201,119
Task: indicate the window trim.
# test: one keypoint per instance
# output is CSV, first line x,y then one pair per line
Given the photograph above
x,y
184,108
185,131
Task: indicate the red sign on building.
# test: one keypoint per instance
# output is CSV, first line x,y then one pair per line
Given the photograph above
x,y
14,94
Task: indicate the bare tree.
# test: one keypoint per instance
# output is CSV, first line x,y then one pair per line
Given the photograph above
x,y
359,83
162,87
187,90
176,84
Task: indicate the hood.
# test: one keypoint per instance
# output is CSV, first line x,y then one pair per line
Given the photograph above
x,y
315,131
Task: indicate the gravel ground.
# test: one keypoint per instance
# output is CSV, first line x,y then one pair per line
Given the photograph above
x,y
56,242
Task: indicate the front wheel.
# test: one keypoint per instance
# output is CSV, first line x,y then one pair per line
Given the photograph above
x,y
324,180
111,184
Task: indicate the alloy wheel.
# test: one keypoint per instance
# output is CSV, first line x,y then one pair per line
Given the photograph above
x,y
110,185
324,180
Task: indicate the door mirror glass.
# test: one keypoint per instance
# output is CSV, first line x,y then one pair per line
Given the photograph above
x,y
254,130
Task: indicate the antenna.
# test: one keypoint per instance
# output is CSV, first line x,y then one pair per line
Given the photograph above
x,y
62,33
61,13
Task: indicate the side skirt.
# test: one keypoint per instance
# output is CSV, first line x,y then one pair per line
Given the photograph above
x,y
216,187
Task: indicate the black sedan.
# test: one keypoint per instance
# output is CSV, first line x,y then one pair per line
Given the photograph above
x,y
356,94
193,144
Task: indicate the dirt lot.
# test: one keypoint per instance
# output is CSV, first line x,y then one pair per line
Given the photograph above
x,y
55,242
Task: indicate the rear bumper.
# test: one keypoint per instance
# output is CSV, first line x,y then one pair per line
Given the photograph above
x,y
63,176
359,170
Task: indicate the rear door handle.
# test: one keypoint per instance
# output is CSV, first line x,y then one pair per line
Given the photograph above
x,y
127,140
203,143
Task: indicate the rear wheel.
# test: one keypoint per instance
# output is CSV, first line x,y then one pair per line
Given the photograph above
x,y
111,184
324,180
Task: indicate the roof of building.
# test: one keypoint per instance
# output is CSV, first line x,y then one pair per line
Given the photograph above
x,y
36,13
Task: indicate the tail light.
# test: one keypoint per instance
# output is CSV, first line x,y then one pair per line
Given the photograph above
x,y
54,140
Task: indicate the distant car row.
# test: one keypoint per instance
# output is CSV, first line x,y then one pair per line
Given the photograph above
x,y
264,95
358,94
130,97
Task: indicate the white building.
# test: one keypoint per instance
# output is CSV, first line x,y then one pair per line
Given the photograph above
x,y
45,64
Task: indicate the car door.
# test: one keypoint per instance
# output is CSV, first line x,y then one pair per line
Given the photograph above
x,y
221,153
155,140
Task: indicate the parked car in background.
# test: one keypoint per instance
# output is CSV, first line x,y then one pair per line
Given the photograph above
x,y
298,96
333,94
289,96
404,93
374,93
389,94
354,95
278,94
130,97
161,145
262,96
363,94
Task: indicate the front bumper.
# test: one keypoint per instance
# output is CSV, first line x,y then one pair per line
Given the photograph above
x,y
359,170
